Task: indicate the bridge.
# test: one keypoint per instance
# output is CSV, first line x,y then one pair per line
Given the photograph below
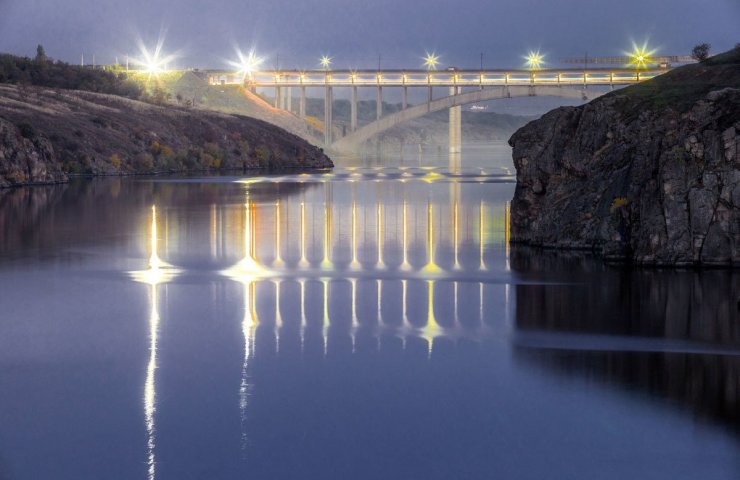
x,y
462,87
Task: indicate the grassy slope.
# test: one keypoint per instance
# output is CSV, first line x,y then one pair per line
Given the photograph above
x,y
682,87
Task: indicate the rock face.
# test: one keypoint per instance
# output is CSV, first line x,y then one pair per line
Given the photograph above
x,y
47,134
24,161
636,175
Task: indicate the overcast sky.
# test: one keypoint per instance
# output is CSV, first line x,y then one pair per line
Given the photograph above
x,y
354,32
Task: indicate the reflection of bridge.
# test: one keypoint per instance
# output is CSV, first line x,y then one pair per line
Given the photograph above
x,y
330,274
491,84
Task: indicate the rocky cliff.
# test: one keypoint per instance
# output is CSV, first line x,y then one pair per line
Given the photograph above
x,y
649,173
47,134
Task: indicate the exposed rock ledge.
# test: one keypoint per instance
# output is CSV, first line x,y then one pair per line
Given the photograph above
x,y
648,177
46,134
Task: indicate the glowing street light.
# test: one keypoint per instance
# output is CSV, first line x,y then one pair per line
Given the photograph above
x,y
431,60
153,62
325,62
641,56
248,64
534,59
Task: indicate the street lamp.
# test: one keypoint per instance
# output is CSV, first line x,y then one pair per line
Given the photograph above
x,y
641,56
534,59
431,60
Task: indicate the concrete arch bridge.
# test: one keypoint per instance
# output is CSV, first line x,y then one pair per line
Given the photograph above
x,y
453,103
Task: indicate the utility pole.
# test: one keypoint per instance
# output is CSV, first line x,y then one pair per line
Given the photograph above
x,y
481,61
82,60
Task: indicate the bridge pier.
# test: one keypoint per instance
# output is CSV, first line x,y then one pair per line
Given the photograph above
x,y
405,99
379,104
277,97
302,103
455,142
353,110
289,99
328,103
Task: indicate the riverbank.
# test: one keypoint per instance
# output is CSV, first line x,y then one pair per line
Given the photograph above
x,y
47,134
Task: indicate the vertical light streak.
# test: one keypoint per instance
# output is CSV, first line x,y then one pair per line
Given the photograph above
x,y
303,313
248,327
326,320
405,265
278,261
157,273
430,267
214,233
278,316
355,320
150,386
380,301
381,263
481,241
456,229
326,262
303,261
355,264
432,327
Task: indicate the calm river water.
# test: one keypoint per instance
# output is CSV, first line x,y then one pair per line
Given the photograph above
x,y
365,323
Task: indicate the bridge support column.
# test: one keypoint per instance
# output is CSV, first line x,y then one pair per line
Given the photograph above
x,y
353,110
277,97
328,103
289,99
379,104
405,99
302,103
455,124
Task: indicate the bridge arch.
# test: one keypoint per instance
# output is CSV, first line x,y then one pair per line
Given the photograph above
x,y
361,135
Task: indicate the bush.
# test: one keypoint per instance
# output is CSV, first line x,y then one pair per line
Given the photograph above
x,y
700,52
27,130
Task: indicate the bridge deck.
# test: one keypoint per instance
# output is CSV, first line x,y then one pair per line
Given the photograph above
x,y
442,78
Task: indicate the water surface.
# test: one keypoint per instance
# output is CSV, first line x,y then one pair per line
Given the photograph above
x,y
368,322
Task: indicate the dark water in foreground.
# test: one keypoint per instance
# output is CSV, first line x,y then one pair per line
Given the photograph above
x,y
366,323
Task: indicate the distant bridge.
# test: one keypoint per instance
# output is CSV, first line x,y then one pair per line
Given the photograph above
x,y
487,85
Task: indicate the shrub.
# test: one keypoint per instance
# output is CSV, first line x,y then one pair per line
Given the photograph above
x,y
27,130
700,52
115,160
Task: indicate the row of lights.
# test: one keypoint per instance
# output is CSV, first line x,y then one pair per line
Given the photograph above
x,y
155,63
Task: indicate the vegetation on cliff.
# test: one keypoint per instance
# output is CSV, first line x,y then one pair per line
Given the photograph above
x,y
45,72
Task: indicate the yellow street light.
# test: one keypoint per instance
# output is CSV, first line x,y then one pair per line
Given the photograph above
x,y
534,59
325,62
641,56
247,64
431,60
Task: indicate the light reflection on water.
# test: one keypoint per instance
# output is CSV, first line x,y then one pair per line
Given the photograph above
x,y
368,322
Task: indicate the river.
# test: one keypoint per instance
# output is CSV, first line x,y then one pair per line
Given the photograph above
x,y
367,322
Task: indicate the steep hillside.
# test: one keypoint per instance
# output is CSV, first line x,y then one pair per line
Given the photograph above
x,y
650,173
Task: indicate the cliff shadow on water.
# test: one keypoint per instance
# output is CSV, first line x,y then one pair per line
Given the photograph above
x,y
672,333
649,173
